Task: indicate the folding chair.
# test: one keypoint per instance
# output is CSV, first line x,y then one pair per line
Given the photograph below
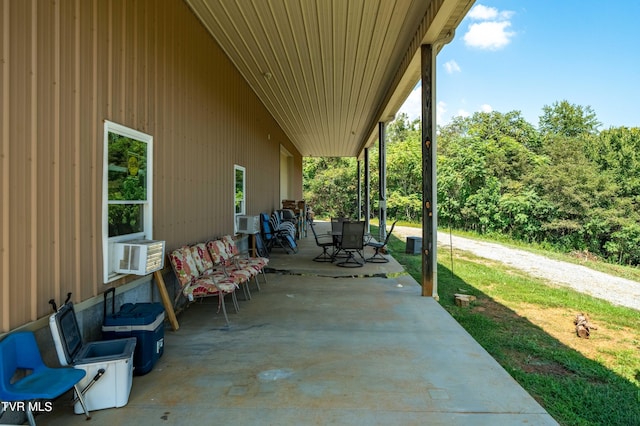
x,y
288,230
272,237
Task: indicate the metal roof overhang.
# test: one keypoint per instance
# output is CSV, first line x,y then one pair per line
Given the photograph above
x,y
330,70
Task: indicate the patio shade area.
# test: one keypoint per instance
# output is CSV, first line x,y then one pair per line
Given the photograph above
x,y
321,345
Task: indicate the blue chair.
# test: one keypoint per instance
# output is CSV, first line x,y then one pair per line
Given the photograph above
x,y
24,377
272,236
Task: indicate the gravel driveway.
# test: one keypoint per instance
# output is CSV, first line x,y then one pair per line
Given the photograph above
x,y
618,291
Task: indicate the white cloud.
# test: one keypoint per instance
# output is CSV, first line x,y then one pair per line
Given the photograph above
x,y
486,108
484,13
491,32
452,66
413,105
491,35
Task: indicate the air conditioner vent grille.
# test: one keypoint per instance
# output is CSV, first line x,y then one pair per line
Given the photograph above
x,y
138,257
248,224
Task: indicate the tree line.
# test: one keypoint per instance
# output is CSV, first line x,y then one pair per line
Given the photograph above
x,y
564,184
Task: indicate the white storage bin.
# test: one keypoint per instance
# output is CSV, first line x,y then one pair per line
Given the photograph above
x,y
115,357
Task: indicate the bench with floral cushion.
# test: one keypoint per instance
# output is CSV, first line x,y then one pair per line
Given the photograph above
x,y
215,268
197,283
224,251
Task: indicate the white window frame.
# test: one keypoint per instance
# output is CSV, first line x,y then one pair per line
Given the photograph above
x,y
107,241
243,203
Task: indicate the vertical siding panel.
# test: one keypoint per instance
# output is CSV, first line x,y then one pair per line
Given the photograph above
x,y
196,132
77,161
45,146
175,171
5,197
181,86
19,170
115,66
162,219
132,62
108,67
141,77
171,160
174,106
165,149
166,160
184,78
120,67
55,135
176,160
102,83
86,151
67,109
33,161
95,138
224,88
181,150
175,164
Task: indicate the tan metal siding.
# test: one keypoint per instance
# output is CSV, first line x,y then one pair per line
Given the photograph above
x,y
20,164
4,166
69,65
46,247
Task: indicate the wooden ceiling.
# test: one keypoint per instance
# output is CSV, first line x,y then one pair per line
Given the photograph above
x,y
330,70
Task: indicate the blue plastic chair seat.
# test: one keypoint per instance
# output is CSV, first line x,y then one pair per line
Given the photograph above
x,y
24,377
47,383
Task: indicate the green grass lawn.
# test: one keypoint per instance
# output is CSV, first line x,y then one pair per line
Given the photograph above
x,y
526,324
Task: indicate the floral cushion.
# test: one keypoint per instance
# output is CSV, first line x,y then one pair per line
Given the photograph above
x,y
253,264
256,263
195,271
218,252
213,268
210,286
230,245
202,259
221,257
240,275
184,266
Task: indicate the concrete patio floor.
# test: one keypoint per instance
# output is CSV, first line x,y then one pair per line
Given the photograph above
x,y
321,345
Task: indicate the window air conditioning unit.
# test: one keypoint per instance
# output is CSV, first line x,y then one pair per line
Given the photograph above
x,y
248,225
138,257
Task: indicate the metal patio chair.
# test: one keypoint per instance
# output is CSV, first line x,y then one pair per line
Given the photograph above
x,y
336,233
352,243
378,246
324,242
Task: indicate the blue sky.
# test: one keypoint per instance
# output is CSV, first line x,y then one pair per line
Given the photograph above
x,y
520,55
